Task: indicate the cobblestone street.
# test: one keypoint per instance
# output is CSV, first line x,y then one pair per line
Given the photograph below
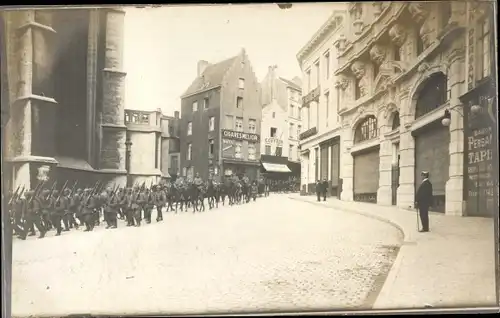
x,y
272,254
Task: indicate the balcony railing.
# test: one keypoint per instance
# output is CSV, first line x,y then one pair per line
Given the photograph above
x,y
312,96
308,133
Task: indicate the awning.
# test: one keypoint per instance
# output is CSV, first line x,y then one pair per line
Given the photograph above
x,y
276,167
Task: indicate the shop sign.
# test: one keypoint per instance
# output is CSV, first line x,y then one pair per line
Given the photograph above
x,y
238,135
272,140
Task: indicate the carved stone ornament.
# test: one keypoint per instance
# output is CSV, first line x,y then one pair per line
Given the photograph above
x,y
377,8
419,11
423,67
340,43
426,34
378,54
398,34
363,87
358,69
458,9
358,26
344,83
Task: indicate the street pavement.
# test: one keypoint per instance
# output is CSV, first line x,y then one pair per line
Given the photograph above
x,y
275,254
451,266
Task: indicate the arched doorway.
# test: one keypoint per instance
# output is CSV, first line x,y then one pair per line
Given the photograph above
x,y
366,162
433,140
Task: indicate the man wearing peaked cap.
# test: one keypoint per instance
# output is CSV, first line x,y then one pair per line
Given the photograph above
x,y
424,200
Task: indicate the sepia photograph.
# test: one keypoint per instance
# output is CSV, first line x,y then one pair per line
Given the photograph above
x,y
258,158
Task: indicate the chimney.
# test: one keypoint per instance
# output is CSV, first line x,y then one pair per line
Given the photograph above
x,y
176,114
202,65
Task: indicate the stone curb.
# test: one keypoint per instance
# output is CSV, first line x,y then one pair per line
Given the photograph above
x,y
406,237
395,267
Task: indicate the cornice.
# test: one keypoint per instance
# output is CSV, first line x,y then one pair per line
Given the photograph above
x,y
328,26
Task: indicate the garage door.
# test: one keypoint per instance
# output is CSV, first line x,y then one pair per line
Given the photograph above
x,y
366,176
432,154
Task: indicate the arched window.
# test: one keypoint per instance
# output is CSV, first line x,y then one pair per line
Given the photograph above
x,y
432,95
395,121
366,130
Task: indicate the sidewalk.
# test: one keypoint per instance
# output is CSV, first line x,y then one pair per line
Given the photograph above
x,y
453,265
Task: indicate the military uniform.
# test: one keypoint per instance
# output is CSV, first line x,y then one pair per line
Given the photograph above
x,y
140,201
111,210
45,200
88,206
75,206
131,205
16,209
60,207
148,205
160,200
32,215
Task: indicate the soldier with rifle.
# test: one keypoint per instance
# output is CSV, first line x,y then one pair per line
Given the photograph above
x,y
130,206
111,209
160,200
60,205
67,217
88,207
148,204
141,200
32,215
16,207
45,201
75,206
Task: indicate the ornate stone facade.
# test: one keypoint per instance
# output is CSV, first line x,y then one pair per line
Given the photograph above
x,y
390,78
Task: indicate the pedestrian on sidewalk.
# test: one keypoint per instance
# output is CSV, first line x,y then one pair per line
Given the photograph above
x,y
424,200
319,189
324,188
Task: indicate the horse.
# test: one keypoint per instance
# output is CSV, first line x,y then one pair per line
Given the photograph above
x,y
212,195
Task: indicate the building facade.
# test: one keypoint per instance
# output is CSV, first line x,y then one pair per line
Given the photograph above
x,y
66,96
320,136
281,118
401,68
149,137
220,120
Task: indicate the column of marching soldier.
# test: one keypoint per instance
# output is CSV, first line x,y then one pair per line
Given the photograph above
x,y
48,209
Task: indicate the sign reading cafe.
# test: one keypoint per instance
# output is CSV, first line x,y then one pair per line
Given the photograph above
x,y
231,134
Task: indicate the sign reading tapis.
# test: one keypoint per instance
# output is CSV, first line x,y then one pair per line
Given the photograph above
x,y
238,135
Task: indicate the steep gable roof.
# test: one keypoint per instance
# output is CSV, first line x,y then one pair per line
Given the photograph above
x,y
290,83
211,77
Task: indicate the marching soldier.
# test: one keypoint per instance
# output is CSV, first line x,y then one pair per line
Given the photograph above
x,y
131,205
32,215
60,206
148,205
111,210
45,202
141,200
160,200
121,203
88,206
75,206
16,210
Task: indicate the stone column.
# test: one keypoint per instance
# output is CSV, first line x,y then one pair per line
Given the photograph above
x,y
406,189
455,204
384,193
346,164
113,130
304,169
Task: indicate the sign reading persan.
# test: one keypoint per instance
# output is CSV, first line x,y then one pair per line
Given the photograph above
x,y
231,134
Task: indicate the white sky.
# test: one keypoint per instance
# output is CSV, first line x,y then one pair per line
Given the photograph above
x,y
163,45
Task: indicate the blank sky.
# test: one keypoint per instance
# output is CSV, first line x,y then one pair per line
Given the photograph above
x,y
163,45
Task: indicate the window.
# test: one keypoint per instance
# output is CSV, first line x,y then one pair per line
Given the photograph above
x,y
327,65
327,105
189,154
268,150
279,151
239,102
273,132
290,131
274,115
252,126
308,78
239,124
211,123
127,117
206,103
432,95
290,152
395,121
366,130
229,122
241,83
195,106
292,110
211,148
316,69
190,129
299,127
251,151
484,53
145,119
135,117
237,150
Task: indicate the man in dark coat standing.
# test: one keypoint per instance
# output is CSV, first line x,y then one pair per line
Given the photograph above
x,y
324,188
424,200
319,189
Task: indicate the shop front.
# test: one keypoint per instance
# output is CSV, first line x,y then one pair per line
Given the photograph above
x,y
366,174
239,154
276,171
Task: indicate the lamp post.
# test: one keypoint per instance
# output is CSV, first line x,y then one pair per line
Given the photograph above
x,y
128,149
